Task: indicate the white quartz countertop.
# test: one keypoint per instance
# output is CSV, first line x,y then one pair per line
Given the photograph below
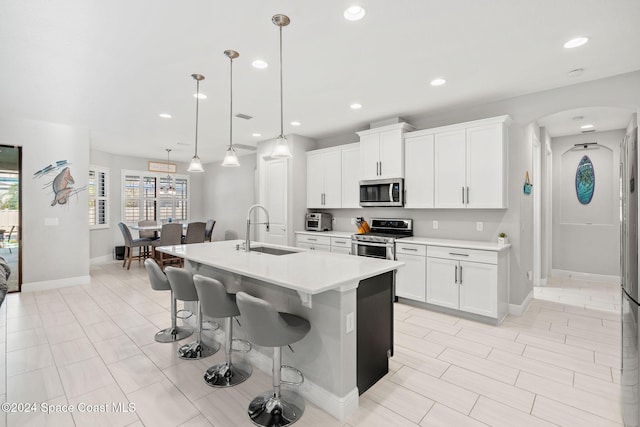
x,y
310,272
454,243
344,234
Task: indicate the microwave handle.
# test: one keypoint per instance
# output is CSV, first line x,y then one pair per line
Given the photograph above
x,y
391,192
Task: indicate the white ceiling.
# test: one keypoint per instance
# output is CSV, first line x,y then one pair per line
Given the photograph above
x,y
569,122
112,66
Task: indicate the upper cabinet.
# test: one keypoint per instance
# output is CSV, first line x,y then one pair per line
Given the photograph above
x,y
418,171
470,164
332,177
382,151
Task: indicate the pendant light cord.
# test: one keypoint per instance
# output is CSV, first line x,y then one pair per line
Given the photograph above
x,y
197,105
281,102
231,103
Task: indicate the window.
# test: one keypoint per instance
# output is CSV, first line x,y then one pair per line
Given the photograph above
x,y
146,195
98,196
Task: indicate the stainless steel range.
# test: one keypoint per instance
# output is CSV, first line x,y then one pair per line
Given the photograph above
x,y
380,242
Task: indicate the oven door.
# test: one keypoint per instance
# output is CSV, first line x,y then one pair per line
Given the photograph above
x,y
373,250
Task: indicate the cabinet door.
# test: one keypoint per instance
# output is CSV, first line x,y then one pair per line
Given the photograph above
x,y
485,167
315,181
351,175
341,250
442,288
391,154
450,180
411,279
314,246
370,156
479,288
418,172
332,172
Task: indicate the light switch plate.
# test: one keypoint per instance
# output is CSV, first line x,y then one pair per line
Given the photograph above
x,y
351,322
479,226
435,225
51,221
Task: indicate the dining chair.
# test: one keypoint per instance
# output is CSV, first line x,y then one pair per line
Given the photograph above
x,y
195,232
150,235
208,230
170,234
129,244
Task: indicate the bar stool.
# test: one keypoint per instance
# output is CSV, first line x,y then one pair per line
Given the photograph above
x,y
181,282
159,282
269,328
217,303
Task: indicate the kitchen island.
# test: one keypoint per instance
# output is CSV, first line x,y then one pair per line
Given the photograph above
x,y
347,300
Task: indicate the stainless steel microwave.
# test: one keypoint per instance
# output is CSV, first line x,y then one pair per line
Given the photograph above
x,y
382,192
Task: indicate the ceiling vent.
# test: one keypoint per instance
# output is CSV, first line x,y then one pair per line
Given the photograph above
x,y
243,116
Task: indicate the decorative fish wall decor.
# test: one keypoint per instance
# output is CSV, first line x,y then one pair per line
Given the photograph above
x,y
585,180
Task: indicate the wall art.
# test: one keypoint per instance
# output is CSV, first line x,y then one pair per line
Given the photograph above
x,y
585,180
62,184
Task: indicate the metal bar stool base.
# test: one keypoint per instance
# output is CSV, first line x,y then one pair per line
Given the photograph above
x,y
270,411
197,350
227,375
173,334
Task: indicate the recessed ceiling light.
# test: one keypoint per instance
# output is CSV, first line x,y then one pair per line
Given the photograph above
x,y
295,123
438,82
578,41
165,115
200,95
355,106
260,64
576,73
586,126
354,13
256,134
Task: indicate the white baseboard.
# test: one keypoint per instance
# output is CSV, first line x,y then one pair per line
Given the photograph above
x,y
340,407
586,276
55,284
519,309
543,282
105,259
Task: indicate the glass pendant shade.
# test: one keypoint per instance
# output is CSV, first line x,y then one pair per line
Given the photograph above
x,y
195,165
230,158
281,148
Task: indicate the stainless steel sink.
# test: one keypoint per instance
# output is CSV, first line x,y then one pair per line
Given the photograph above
x,y
272,251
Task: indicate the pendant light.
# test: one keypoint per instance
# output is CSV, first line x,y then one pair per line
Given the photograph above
x,y
168,187
281,148
230,158
196,165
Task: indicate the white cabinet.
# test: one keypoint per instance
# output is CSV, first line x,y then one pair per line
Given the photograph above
x,y
382,151
341,245
418,171
351,175
470,164
474,281
324,179
412,278
314,242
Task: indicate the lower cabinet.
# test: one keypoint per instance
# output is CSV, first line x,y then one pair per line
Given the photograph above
x,y
341,245
314,242
412,278
468,280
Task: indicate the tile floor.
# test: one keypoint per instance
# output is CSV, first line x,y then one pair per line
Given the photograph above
x,y
92,345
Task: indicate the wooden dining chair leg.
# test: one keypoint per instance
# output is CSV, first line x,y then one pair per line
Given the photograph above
x,y
124,258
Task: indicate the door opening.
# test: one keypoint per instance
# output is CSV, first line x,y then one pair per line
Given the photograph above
x,y
10,213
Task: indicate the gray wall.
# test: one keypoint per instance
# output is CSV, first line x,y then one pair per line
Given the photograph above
x,y
586,238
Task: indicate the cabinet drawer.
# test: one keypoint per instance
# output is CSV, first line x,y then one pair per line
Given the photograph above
x,y
411,249
320,240
461,254
341,242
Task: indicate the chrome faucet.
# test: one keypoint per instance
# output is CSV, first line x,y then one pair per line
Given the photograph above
x,y
247,240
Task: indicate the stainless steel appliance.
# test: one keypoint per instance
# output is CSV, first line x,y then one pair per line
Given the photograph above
x,y
629,275
318,221
380,242
382,192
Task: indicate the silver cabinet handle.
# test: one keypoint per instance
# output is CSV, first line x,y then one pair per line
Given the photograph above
x,y
339,241
324,198
311,239
463,195
381,168
467,195
456,274
456,254
320,198
410,249
461,275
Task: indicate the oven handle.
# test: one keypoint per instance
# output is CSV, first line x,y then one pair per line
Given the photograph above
x,y
378,245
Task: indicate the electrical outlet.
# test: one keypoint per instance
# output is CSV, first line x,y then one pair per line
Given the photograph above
x,y
353,221
350,321
435,225
479,226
